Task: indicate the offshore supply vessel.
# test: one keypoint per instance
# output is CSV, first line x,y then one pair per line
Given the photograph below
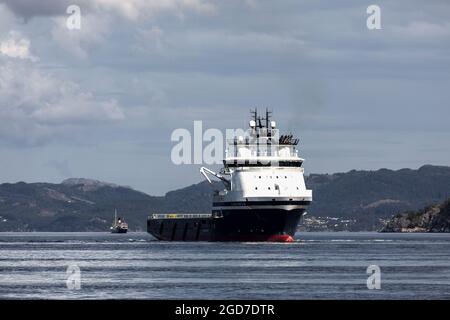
x,y
262,196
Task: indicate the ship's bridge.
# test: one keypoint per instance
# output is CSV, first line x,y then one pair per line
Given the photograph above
x,y
262,145
261,155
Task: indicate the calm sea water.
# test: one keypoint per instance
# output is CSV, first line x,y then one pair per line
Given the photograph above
x,y
135,266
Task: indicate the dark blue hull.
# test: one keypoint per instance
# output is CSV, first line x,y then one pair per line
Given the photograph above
x,y
229,225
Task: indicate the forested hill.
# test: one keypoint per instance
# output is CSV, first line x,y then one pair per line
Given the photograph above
x,y
368,197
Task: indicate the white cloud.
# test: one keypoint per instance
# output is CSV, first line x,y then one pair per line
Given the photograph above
x,y
26,90
37,106
130,9
15,46
99,18
134,9
78,43
96,24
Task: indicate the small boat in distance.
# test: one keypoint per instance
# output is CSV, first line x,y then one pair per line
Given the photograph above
x,y
119,225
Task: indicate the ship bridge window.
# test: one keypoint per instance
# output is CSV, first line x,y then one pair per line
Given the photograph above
x,y
247,163
290,163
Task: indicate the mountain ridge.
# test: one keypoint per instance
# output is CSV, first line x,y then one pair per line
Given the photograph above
x,y
79,204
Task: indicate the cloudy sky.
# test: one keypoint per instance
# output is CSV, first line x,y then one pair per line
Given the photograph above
x,y
101,102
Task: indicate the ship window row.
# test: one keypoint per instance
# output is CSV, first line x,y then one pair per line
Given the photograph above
x,y
247,163
276,188
276,177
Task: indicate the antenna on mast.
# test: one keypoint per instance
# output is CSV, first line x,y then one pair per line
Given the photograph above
x,y
268,115
267,118
254,114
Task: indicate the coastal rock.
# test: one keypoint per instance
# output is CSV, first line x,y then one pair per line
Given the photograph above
x,y
434,218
